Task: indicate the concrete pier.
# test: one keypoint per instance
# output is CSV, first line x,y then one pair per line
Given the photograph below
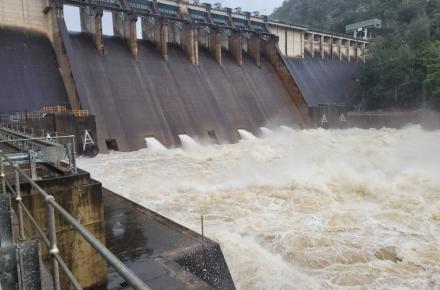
x,y
124,25
81,197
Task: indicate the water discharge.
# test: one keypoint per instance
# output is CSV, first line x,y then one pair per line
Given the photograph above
x,y
266,132
313,209
246,135
154,144
188,142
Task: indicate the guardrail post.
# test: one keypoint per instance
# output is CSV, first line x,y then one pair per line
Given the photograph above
x,y
71,156
53,251
18,199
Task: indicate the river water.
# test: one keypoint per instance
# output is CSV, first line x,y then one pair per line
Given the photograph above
x,y
313,209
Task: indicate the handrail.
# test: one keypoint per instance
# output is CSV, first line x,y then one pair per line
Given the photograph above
x,y
132,279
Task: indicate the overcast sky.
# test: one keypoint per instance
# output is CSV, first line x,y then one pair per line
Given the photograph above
x,y
264,6
71,14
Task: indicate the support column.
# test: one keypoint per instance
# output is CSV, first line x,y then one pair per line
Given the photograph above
x,y
156,31
99,43
254,48
313,45
92,24
56,15
357,51
302,44
331,47
348,51
322,47
230,22
163,42
340,49
124,25
215,44
132,38
364,52
190,43
236,46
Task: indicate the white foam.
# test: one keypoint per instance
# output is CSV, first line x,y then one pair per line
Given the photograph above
x,y
154,144
246,135
266,132
287,129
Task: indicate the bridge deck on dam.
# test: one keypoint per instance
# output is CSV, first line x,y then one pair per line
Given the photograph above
x,y
133,99
324,81
29,75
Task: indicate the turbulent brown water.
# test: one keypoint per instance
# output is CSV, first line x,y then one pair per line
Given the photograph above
x,y
314,209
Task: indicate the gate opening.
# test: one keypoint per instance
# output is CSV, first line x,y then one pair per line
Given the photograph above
x,y
112,144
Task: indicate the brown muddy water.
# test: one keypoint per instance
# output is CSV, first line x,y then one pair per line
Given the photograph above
x,y
313,209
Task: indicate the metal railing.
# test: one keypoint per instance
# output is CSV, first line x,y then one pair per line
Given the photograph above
x,y
49,148
15,117
51,239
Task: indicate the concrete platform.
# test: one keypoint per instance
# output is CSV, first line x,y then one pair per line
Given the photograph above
x,y
164,254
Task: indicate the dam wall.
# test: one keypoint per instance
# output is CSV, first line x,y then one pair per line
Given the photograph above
x,y
29,77
324,81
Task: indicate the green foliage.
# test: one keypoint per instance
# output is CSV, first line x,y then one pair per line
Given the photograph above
x,y
403,70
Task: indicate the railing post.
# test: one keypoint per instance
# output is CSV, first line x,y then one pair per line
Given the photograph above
x,y
53,251
2,173
71,157
18,199
33,164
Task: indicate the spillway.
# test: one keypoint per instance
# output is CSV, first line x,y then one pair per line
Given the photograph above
x,y
313,209
133,99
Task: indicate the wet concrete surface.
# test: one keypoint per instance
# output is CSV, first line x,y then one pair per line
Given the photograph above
x,y
161,252
29,75
324,81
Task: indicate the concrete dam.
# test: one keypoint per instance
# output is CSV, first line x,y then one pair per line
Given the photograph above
x,y
171,71
206,81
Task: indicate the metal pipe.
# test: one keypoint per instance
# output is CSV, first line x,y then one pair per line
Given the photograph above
x,y
19,208
35,224
34,139
53,249
68,273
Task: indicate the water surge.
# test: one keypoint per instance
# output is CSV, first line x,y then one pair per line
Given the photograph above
x,y
313,209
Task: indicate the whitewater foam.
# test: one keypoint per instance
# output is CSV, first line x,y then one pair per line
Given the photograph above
x,y
246,135
312,209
